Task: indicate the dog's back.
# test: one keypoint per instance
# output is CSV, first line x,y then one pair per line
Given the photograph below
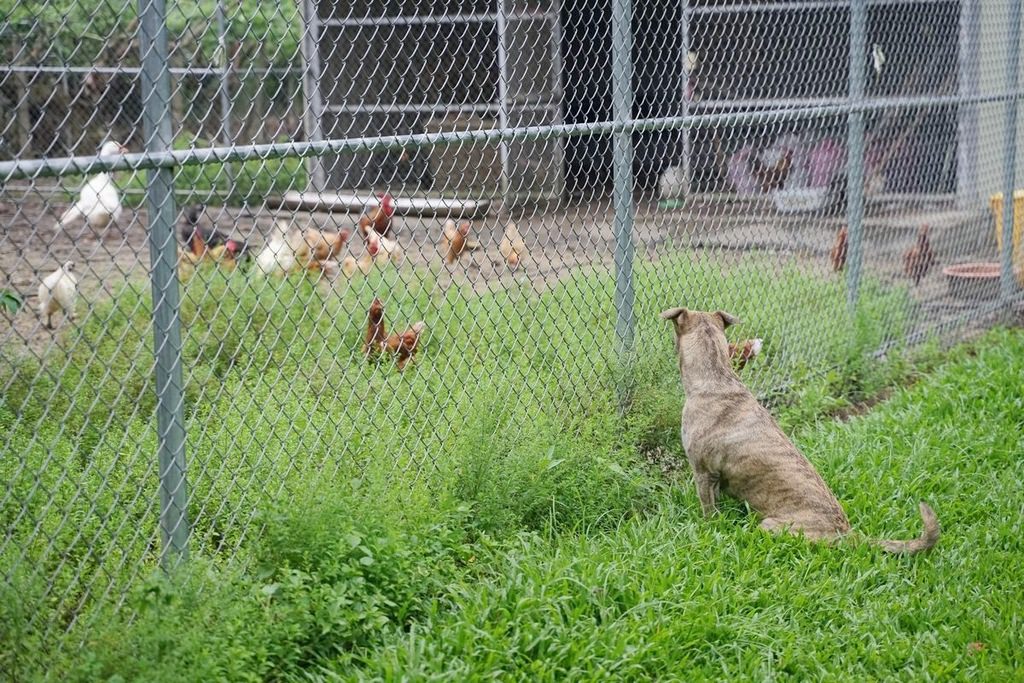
x,y
734,444
727,433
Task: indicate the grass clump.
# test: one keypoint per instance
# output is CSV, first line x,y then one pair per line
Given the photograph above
x,y
324,584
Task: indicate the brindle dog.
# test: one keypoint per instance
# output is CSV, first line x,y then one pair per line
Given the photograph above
x,y
734,444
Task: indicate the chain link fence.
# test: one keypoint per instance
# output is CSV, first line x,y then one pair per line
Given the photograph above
x,y
331,240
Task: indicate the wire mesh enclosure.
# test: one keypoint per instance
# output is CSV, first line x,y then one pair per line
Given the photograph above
x,y
254,251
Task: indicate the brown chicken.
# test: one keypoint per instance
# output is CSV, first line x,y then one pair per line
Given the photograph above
x,y
838,253
326,244
744,351
454,240
349,266
404,346
197,245
512,247
771,178
920,258
379,217
376,335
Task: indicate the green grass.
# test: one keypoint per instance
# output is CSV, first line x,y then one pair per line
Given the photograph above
x,y
501,454
337,595
668,596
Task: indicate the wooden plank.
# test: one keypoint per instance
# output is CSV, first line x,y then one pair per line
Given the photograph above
x,y
404,206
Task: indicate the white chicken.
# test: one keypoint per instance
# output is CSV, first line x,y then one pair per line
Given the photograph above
x,y
99,202
383,248
278,255
58,292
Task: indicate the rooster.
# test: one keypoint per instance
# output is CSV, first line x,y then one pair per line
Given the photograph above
x,y
920,258
197,250
773,177
454,240
200,238
404,346
744,351
376,335
512,247
379,217
838,253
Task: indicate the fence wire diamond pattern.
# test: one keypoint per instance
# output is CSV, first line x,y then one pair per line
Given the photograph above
x,y
254,250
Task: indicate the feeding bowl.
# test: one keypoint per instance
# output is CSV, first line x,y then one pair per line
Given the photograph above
x,y
800,200
973,281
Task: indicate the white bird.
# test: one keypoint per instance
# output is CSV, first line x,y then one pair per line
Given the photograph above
x,y
278,256
878,58
99,202
58,292
692,60
384,249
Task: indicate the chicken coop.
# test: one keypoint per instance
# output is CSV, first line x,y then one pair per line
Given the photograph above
x,y
393,68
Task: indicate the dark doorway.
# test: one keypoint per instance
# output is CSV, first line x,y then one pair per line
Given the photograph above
x,y
586,58
657,85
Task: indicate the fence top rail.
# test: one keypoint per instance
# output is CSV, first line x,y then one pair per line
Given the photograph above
x,y
136,70
35,168
799,5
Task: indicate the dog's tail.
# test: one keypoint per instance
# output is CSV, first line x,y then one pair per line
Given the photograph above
x,y
923,542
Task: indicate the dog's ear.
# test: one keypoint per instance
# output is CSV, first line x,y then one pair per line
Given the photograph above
x,y
673,313
727,318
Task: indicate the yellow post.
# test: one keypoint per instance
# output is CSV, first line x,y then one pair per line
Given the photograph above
x,y
996,205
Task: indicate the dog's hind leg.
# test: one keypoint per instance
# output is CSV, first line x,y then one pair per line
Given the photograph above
x,y
707,491
775,526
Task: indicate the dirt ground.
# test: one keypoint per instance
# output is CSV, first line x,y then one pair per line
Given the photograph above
x,y
561,237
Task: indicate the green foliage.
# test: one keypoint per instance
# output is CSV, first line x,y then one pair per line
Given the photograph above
x,y
516,418
334,589
234,183
266,33
325,585
10,301
83,34
21,592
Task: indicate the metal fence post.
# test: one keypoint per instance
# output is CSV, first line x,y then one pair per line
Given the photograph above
x,y
503,147
557,92
156,119
684,64
855,151
1007,284
968,87
223,88
622,169
313,111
